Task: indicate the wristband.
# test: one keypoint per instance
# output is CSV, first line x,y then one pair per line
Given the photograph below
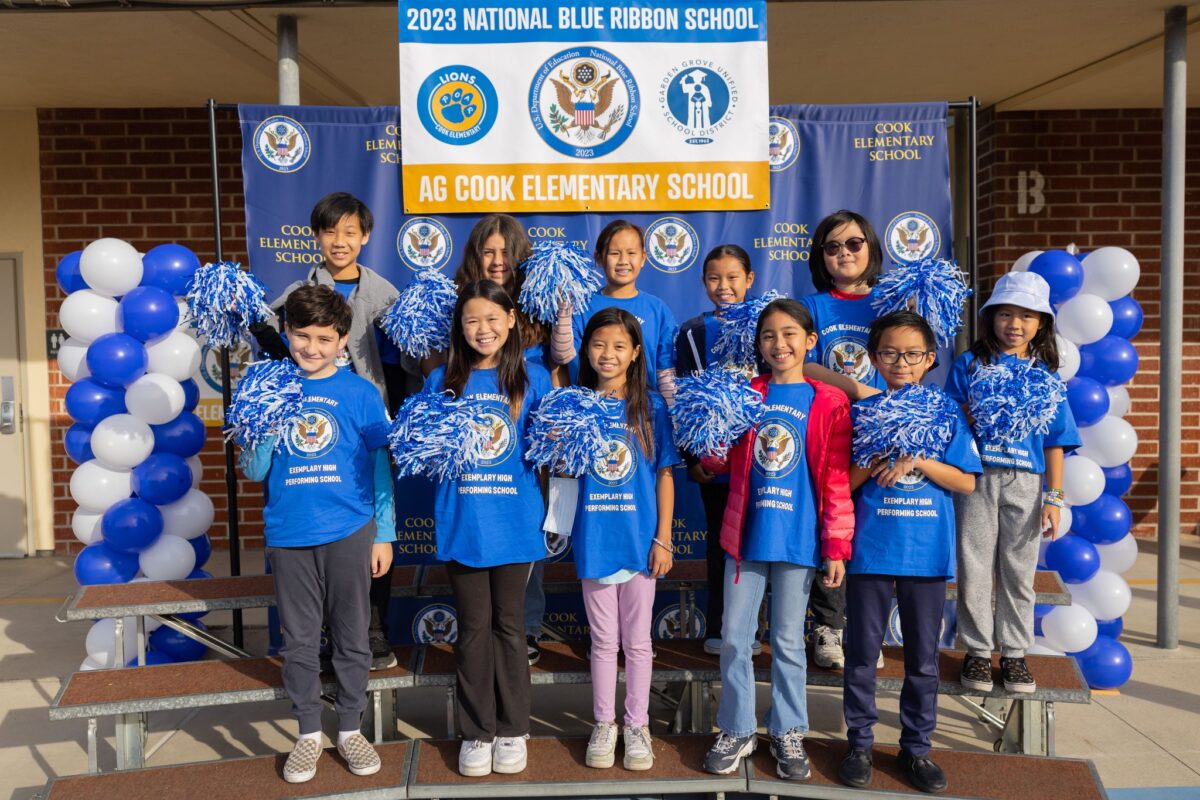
x,y
670,548
1055,497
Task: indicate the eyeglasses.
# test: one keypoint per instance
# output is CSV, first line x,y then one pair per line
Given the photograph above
x,y
911,357
852,245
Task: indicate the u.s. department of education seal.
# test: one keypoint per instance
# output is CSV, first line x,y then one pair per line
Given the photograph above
x,y
424,243
281,144
783,143
912,236
436,623
584,102
671,244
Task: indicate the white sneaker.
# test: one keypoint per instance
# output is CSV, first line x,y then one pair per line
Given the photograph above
x,y
712,647
756,648
509,755
639,753
475,758
827,647
879,661
602,746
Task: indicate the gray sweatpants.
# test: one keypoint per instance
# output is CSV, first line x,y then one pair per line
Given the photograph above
x,y
330,581
999,531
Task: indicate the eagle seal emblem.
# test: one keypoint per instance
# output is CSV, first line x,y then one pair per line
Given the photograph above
x,y
776,448
314,434
912,236
671,244
584,102
424,243
281,144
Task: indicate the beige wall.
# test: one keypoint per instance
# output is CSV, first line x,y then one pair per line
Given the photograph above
x,y
21,233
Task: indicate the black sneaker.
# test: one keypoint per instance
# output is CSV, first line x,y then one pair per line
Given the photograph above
x,y
382,656
923,773
791,762
1016,675
726,755
532,649
856,768
977,674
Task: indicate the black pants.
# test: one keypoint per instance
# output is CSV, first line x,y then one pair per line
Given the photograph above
x,y
381,598
921,602
328,580
492,663
828,606
715,496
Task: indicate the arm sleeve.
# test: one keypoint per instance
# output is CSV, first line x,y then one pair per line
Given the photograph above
x,y
385,502
666,384
562,338
256,462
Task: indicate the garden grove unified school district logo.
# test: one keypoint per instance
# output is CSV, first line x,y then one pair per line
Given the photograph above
x,y
281,144
912,236
584,102
671,244
699,98
424,243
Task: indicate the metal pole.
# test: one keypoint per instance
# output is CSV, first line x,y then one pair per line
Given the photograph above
x,y
973,214
288,53
235,546
1171,330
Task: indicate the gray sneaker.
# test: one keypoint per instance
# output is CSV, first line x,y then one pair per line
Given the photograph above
x,y
639,753
726,755
301,765
360,756
827,647
791,762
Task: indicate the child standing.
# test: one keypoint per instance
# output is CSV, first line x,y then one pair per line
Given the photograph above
x,y
903,539
326,539
1001,524
789,509
488,529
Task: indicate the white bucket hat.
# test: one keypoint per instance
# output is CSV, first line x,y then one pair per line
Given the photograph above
x,y
1024,289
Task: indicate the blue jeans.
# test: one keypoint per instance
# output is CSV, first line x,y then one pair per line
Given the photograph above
x,y
535,600
790,585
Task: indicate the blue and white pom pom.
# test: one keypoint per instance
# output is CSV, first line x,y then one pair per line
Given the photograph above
x,y
735,347
933,287
224,301
1012,399
266,402
712,410
418,323
915,421
557,273
566,431
439,437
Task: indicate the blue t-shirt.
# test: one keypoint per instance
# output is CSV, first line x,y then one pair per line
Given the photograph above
x,y
617,513
1026,455
658,330
320,487
908,529
781,516
493,514
842,327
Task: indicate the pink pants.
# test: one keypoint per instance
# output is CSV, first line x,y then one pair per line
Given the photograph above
x,y
620,616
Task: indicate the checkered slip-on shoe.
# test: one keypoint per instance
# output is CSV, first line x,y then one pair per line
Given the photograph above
x,y
360,755
301,765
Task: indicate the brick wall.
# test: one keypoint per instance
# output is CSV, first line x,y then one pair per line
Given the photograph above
x,y
1102,186
142,175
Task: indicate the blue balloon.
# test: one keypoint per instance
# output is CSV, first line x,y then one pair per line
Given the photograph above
x,y
1074,558
98,563
174,644
1040,610
1088,401
153,658
1127,317
1106,664
148,312
199,574
169,267
78,442
184,436
1110,627
131,525
1104,521
1062,271
1110,361
70,279
1117,480
89,401
192,616
117,360
162,478
203,547
191,395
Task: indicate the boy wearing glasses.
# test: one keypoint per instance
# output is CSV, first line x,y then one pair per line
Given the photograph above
x,y
904,538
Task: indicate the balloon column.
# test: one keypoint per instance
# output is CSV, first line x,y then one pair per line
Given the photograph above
x,y
1096,318
135,439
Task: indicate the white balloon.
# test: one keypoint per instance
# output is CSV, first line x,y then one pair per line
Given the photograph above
x,y
154,398
87,315
86,525
1083,480
89,664
72,359
1118,401
178,355
1065,520
111,266
1119,556
1042,648
102,647
185,320
1085,318
170,558
95,487
1022,263
189,516
1069,628
1105,596
122,441
197,468
1110,272
1110,443
1068,358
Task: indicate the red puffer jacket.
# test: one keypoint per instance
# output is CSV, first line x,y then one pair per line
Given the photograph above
x,y
827,449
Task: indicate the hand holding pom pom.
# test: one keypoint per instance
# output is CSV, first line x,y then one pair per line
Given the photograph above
x,y
912,422
557,274
712,410
224,301
418,323
437,436
566,431
265,403
1011,399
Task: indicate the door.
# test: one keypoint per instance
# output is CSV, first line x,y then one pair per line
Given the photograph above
x,y
13,484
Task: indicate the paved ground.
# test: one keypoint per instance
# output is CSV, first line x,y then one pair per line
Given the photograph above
x,y
1147,735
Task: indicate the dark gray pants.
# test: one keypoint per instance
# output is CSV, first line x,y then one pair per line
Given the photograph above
x,y
330,581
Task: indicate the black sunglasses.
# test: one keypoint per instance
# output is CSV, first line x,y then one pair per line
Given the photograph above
x,y
852,245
